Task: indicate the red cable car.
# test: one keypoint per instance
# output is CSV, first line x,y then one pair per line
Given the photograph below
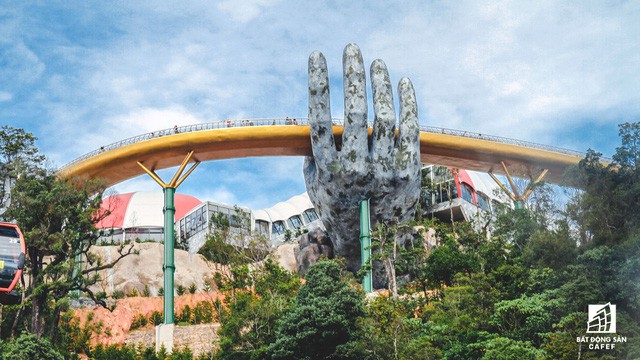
x,y
12,258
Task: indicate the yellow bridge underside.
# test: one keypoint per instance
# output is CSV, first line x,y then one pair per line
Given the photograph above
x,y
114,166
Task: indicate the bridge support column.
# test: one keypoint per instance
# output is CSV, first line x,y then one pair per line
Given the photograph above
x,y
365,245
164,332
515,196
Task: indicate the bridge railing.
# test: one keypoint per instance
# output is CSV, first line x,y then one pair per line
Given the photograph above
x,y
299,121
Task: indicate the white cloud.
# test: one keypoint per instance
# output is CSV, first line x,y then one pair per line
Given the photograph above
x,y
5,96
140,183
244,11
218,194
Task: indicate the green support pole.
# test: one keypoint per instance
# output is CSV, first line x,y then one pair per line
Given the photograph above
x,y
164,332
169,266
519,204
77,265
365,244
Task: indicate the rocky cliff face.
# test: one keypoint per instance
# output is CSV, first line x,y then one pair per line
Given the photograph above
x,y
311,247
145,269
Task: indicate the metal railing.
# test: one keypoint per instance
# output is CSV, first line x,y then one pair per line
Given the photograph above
x,y
300,121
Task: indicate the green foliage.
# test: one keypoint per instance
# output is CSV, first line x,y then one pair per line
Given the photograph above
x,y
74,338
156,318
230,243
133,293
504,348
124,352
527,317
30,347
322,322
18,154
606,212
57,216
193,288
204,313
185,315
445,262
138,321
552,249
388,331
248,318
180,290
519,292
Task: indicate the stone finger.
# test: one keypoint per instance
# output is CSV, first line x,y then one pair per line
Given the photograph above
x,y
408,149
384,125
355,143
322,142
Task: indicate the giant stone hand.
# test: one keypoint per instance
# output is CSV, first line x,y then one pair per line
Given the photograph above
x,y
384,168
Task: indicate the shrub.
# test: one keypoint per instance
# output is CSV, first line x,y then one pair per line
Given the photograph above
x,y
180,289
185,315
29,346
138,321
156,318
203,313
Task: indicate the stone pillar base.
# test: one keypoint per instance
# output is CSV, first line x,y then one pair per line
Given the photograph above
x,y
164,336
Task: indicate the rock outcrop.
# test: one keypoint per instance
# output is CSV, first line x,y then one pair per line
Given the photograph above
x,y
311,247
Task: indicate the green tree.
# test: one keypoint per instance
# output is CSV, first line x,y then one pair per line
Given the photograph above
x,y
606,211
56,216
552,249
30,347
388,330
445,262
249,313
18,154
503,348
527,317
322,322
231,248
392,245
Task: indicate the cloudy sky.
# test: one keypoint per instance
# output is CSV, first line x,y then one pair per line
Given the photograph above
x,y
82,74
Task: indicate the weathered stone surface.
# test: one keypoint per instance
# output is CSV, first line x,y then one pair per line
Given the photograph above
x,y
384,168
312,246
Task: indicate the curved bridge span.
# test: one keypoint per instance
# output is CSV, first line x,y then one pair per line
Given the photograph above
x,y
288,137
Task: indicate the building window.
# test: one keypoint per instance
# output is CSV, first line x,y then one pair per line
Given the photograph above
x,y
446,191
262,227
467,192
277,228
295,222
483,201
310,215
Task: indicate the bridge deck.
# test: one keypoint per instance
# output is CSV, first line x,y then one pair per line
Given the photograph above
x,y
278,137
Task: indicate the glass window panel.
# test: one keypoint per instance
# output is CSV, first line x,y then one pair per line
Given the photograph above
x,y
278,228
310,215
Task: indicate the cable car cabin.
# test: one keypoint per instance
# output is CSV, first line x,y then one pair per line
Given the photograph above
x,y
12,258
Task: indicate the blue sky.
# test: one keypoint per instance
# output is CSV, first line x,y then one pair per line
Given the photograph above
x,y
83,74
